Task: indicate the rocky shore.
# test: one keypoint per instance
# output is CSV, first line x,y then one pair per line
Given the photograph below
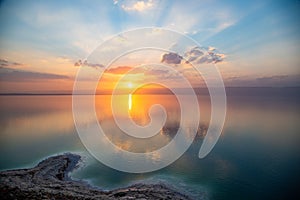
x,y
50,180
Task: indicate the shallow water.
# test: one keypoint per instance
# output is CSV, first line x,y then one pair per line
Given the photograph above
x,y
257,156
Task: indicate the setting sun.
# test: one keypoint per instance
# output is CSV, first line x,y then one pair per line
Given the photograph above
x,y
129,85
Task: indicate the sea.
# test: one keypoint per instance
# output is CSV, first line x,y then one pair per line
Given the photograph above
x,y
257,155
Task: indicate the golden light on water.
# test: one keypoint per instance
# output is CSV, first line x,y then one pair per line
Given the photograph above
x,y
129,97
129,101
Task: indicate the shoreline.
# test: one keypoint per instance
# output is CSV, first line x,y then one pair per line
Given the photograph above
x,y
50,179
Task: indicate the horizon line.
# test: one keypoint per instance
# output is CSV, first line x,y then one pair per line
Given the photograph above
x,y
149,91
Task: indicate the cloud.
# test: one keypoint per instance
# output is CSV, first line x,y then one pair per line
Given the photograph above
x,y
146,71
6,63
119,70
197,55
156,72
12,75
201,55
266,81
138,6
85,63
171,58
283,80
69,27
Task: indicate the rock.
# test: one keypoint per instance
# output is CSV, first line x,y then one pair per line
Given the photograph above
x,y
50,180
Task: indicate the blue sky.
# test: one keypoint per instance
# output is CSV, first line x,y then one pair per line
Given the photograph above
x,y
259,38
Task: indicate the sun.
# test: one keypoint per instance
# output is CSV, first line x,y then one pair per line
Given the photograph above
x,y
129,85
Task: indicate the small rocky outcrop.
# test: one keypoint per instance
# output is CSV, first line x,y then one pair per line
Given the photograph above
x,y
50,180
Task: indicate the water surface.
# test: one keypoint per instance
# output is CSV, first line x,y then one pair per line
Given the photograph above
x,y
257,156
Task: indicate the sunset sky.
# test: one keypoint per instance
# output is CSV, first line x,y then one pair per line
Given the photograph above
x,y
257,42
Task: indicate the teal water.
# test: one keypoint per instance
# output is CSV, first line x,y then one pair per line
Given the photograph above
x,y
257,156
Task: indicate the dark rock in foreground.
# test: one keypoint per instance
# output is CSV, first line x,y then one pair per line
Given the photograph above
x,y
50,180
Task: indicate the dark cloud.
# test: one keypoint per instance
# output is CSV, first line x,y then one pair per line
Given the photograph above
x,y
16,75
171,58
267,81
272,78
196,52
197,55
86,63
12,75
284,80
6,63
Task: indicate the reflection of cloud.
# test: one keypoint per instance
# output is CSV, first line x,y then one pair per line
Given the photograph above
x,y
124,145
41,121
85,63
197,55
11,75
172,130
138,6
154,156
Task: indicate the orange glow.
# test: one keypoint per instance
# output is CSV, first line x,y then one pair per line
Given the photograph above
x,y
110,82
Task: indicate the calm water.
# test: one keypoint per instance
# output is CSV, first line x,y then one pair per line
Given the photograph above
x,y
257,156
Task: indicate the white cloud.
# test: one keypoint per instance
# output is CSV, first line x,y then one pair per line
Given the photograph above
x,y
138,6
67,26
199,18
196,55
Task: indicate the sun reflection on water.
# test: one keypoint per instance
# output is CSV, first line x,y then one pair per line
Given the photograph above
x,y
129,101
